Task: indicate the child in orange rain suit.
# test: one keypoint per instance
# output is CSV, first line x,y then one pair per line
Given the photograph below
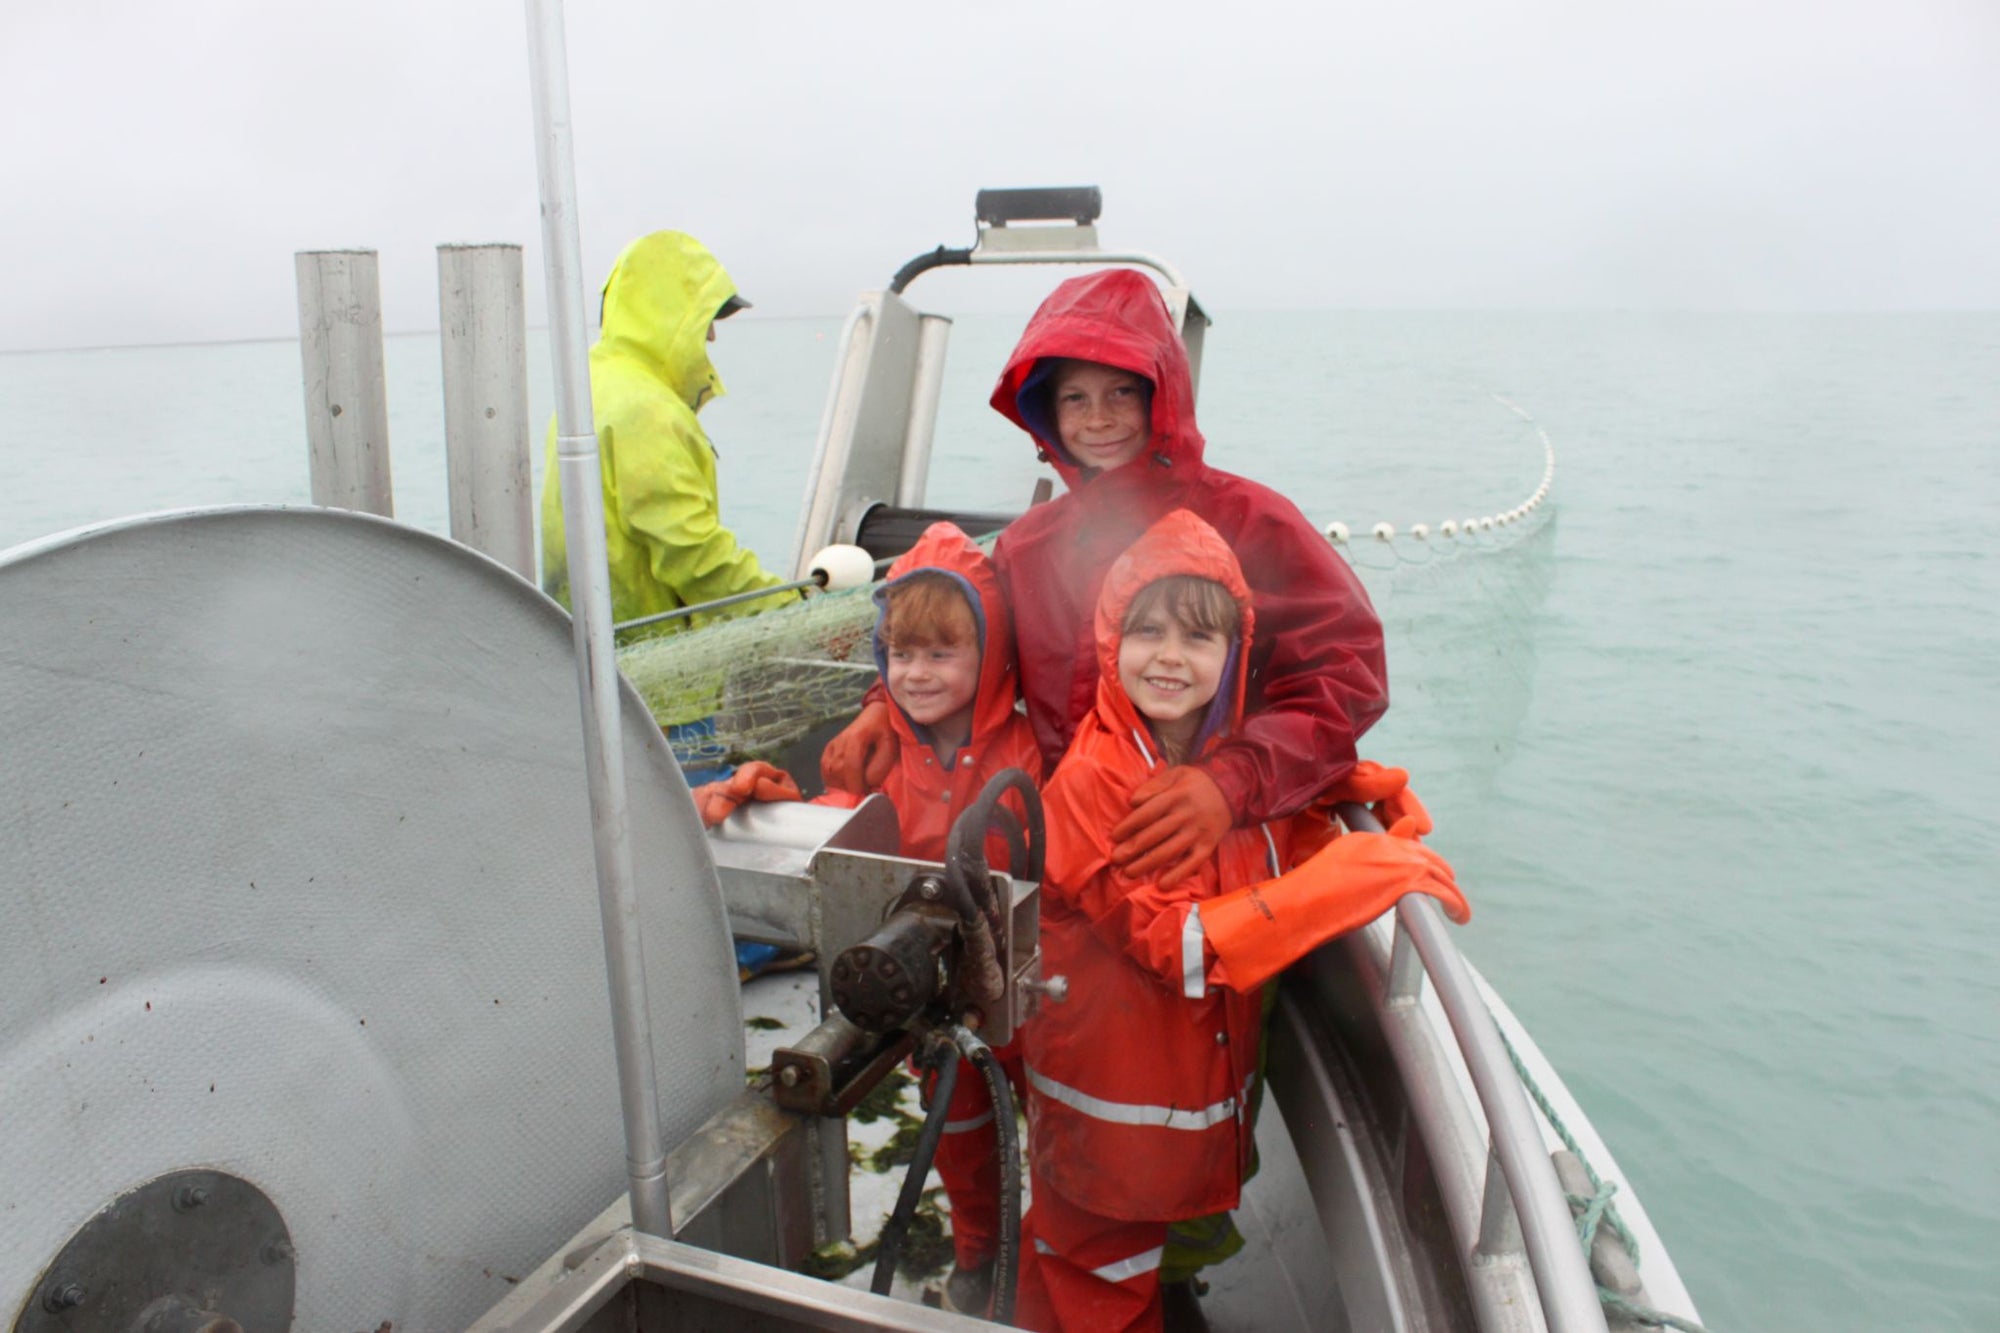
x,y
1139,1081
944,648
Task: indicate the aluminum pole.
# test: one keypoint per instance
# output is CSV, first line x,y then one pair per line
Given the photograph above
x,y
590,595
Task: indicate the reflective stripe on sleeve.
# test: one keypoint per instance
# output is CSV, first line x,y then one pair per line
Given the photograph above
x,y
1122,1270
1194,972
968,1125
1132,1113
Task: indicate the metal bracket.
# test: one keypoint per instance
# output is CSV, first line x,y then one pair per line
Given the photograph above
x,y
834,1066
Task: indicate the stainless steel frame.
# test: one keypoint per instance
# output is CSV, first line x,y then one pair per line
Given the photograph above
x,y
602,1287
874,443
736,1186
875,436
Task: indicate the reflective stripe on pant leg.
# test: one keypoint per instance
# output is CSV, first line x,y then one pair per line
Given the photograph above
x,y
1118,1270
1091,1274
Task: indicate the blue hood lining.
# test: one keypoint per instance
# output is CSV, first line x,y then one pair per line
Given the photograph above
x,y
1216,720
1034,402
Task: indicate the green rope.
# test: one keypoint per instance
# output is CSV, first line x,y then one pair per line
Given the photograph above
x,y
1597,1208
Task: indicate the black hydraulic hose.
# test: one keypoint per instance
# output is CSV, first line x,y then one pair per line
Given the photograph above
x,y
969,886
982,812
890,1243
965,853
925,262
1007,1255
1009,829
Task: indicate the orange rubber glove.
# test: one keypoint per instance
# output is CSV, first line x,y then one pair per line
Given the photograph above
x,y
754,781
1388,790
859,758
1177,819
1257,932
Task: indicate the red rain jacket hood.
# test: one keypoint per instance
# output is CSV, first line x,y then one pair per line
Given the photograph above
x,y
927,794
1139,1082
1116,318
1315,672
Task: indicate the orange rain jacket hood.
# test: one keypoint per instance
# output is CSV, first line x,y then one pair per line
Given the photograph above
x,y
1316,675
1139,1081
926,793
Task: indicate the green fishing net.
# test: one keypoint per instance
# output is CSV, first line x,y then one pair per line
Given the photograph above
x,y
766,681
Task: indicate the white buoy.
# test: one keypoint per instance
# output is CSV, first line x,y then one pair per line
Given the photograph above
x,y
1448,528
1486,525
1385,532
843,566
1421,531
1336,532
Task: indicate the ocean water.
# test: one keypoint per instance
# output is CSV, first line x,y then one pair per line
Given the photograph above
x,y
1715,748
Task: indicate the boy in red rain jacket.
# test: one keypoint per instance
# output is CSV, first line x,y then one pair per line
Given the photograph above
x,y
1139,1081
1100,381
945,653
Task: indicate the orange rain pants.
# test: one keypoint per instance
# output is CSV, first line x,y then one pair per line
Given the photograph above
x,y
1082,1273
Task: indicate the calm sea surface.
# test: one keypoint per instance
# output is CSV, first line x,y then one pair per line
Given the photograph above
x,y
1716,750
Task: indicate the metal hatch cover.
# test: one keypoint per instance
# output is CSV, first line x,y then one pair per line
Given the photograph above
x,y
298,886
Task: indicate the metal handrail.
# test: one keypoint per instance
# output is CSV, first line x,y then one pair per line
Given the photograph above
x,y
1525,1184
1154,262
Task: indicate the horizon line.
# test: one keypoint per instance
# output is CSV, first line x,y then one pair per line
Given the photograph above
x,y
433,331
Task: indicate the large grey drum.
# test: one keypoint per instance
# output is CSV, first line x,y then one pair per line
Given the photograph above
x,y
296,895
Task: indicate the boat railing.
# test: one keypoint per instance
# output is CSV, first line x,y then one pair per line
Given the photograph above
x,y
1513,1208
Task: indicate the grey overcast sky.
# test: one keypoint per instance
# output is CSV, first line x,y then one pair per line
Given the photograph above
x,y
162,162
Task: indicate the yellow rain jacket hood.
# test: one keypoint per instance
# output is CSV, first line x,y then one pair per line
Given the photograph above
x,y
649,375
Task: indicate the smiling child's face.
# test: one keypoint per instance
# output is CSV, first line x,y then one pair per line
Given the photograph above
x,y
936,683
1103,414
1170,671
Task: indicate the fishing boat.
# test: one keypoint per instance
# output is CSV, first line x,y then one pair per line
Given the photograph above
x,y
303,1022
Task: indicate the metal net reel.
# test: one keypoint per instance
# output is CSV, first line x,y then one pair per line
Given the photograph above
x,y
300,895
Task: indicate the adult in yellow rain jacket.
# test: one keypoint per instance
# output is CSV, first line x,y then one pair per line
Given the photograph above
x,y
649,375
